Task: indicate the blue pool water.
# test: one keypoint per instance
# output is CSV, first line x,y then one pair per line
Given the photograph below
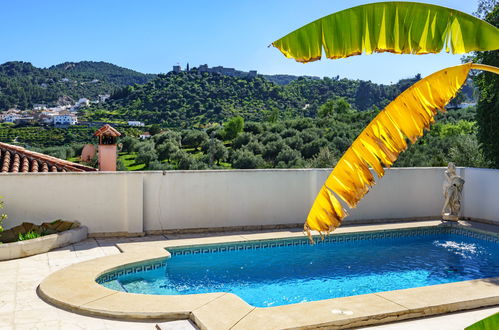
x,y
298,272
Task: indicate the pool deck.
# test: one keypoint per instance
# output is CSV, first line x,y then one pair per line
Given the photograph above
x,y
73,288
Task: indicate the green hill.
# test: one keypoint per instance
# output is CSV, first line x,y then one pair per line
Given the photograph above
x,y
101,70
191,98
22,84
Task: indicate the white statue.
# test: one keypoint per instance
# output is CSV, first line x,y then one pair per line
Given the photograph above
x,y
453,187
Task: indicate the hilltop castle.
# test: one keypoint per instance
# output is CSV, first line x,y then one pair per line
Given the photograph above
x,y
220,70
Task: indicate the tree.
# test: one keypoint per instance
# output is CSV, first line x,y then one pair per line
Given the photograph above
x,y
146,153
455,102
466,151
154,129
241,140
167,149
244,158
294,142
324,159
273,115
488,84
233,127
288,157
253,127
172,136
255,147
272,149
129,144
186,161
194,138
159,166
217,151
120,165
336,106
312,148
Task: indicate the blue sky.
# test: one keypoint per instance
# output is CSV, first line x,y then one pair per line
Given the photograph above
x,y
152,35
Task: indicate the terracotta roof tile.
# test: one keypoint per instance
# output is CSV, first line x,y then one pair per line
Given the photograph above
x,y
107,130
16,159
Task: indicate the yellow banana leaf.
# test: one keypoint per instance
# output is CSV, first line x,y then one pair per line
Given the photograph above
x,y
395,27
380,143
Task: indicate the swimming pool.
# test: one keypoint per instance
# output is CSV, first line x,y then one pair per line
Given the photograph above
x,y
280,272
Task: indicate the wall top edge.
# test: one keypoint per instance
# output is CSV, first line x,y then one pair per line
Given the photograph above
x,y
266,170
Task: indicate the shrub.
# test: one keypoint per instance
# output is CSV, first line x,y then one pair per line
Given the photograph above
x,y
29,235
2,215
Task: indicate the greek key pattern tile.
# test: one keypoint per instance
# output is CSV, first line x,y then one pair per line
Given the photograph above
x,y
136,268
494,238
341,238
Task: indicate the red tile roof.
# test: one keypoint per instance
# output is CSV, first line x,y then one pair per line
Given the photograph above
x,y
107,130
16,159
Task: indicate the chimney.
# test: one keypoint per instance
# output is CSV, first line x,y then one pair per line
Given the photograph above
x,y
107,147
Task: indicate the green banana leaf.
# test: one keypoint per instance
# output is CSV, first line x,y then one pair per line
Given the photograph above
x,y
395,27
488,323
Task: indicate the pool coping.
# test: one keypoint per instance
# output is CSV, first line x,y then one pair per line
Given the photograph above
x,y
74,288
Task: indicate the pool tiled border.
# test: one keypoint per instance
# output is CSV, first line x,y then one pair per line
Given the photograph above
x,y
75,288
272,243
212,248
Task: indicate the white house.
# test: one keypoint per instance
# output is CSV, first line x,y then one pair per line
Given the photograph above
x,y
145,135
11,117
83,102
103,98
65,119
135,123
39,106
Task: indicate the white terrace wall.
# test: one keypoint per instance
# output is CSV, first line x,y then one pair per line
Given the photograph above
x,y
481,194
134,202
199,199
106,202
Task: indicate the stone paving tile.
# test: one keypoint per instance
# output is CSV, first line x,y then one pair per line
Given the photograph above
x,y
26,285
121,325
21,308
7,304
148,238
177,325
112,241
47,314
75,321
61,250
49,325
6,320
28,300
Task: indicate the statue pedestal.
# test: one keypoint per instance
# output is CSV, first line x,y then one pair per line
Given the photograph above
x,y
450,217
